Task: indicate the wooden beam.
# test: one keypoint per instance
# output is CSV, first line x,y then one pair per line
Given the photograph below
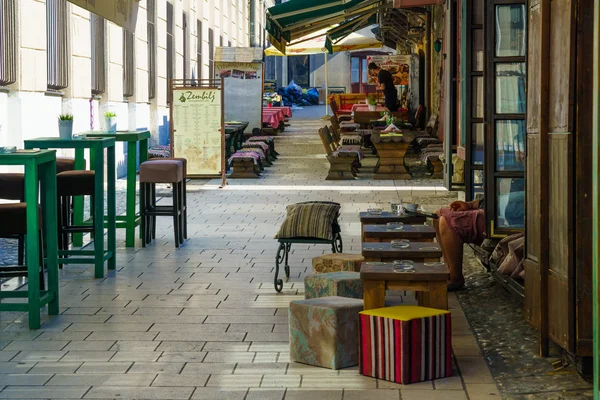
x,y
544,175
596,200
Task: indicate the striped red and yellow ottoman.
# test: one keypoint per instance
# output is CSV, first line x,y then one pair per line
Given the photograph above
x,y
405,344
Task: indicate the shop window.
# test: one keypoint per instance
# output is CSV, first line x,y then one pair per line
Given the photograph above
x,y
128,63
510,30
57,57
299,70
510,203
355,69
151,30
8,42
510,145
510,88
477,184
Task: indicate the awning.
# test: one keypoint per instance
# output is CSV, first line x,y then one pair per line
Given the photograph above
x,y
121,12
320,42
295,19
416,3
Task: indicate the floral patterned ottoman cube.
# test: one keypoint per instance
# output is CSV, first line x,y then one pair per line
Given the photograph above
x,y
405,344
324,331
337,262
343,284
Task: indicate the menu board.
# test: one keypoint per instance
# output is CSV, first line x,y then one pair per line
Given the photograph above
x,y
197,129
397,65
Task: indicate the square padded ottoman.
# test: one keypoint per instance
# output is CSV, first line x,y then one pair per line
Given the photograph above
x,y
343,284
324,331
405,344
337,262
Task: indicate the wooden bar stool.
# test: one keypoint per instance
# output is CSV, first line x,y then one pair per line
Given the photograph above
x,y
12,187
14,224
184,210
69,184
169,171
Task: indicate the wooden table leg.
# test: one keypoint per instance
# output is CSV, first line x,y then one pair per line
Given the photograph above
x,y
373,294
436,297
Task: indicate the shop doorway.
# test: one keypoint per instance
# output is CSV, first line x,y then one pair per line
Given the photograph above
x,y
359,72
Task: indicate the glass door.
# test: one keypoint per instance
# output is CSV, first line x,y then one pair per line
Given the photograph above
x,y
359,75
506,74
475,96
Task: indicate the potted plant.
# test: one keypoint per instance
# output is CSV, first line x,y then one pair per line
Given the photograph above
x,y
110,119
372,101
269,102
65,126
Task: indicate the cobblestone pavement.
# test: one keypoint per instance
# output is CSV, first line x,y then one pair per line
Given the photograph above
x,y
204,321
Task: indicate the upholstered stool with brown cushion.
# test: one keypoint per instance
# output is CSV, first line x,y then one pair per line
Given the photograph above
x,y
64,164
14,224
12,187
72,183
168,171
184,161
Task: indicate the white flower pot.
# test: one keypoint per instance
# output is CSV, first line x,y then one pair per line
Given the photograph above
x,y
372,107
65,129
110,124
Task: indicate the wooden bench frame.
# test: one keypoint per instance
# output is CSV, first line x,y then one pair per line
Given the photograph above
x,y
340,168
244,169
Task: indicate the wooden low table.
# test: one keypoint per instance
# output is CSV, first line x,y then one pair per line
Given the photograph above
x,y
417,251
391,149
381,233
429,280
385,217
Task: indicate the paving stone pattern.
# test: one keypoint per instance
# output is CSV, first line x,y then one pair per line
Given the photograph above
x,y
204,321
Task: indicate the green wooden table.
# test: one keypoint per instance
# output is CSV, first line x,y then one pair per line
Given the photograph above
x,y
96,147
131,219
43,163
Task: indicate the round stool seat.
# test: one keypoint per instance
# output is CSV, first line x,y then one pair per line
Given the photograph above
x,y
76,183
12,186
64,164
14,219
162,171
183,160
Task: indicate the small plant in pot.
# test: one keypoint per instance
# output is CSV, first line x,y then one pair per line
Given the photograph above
x,y
110,119
65,126
372,101
269,102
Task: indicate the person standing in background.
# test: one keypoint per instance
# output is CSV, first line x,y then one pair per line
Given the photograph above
x,y
386,84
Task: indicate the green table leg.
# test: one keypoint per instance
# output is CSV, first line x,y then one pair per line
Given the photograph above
x,y
112,207
48,172
98,211
130,207
33,261
143,158
78,200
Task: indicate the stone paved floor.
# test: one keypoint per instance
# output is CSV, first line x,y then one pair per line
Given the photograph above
x,y
204,322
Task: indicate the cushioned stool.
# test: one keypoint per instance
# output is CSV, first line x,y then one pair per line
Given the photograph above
x,y
69,184
169,171
12,187
405,344
337,262
343,284
14,224
324,332
184,225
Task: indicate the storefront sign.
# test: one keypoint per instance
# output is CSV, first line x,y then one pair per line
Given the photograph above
x,y
121,12
398,66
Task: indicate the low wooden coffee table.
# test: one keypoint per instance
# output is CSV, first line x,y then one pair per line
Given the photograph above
x,y
417,251
385,217
430,281
381,233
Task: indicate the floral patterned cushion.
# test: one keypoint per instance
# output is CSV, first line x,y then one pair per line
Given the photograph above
x,y
324,332
343,284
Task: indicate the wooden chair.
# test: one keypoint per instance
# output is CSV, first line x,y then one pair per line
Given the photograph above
x,y
351,149
344,115
341,165
345,137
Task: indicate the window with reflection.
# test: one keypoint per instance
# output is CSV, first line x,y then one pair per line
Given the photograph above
x,y
478,97
510,145
478,188
355,68
510,88
477,145
511,34
510,203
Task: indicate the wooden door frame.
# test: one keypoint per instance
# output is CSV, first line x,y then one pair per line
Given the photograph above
x,y
491,117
